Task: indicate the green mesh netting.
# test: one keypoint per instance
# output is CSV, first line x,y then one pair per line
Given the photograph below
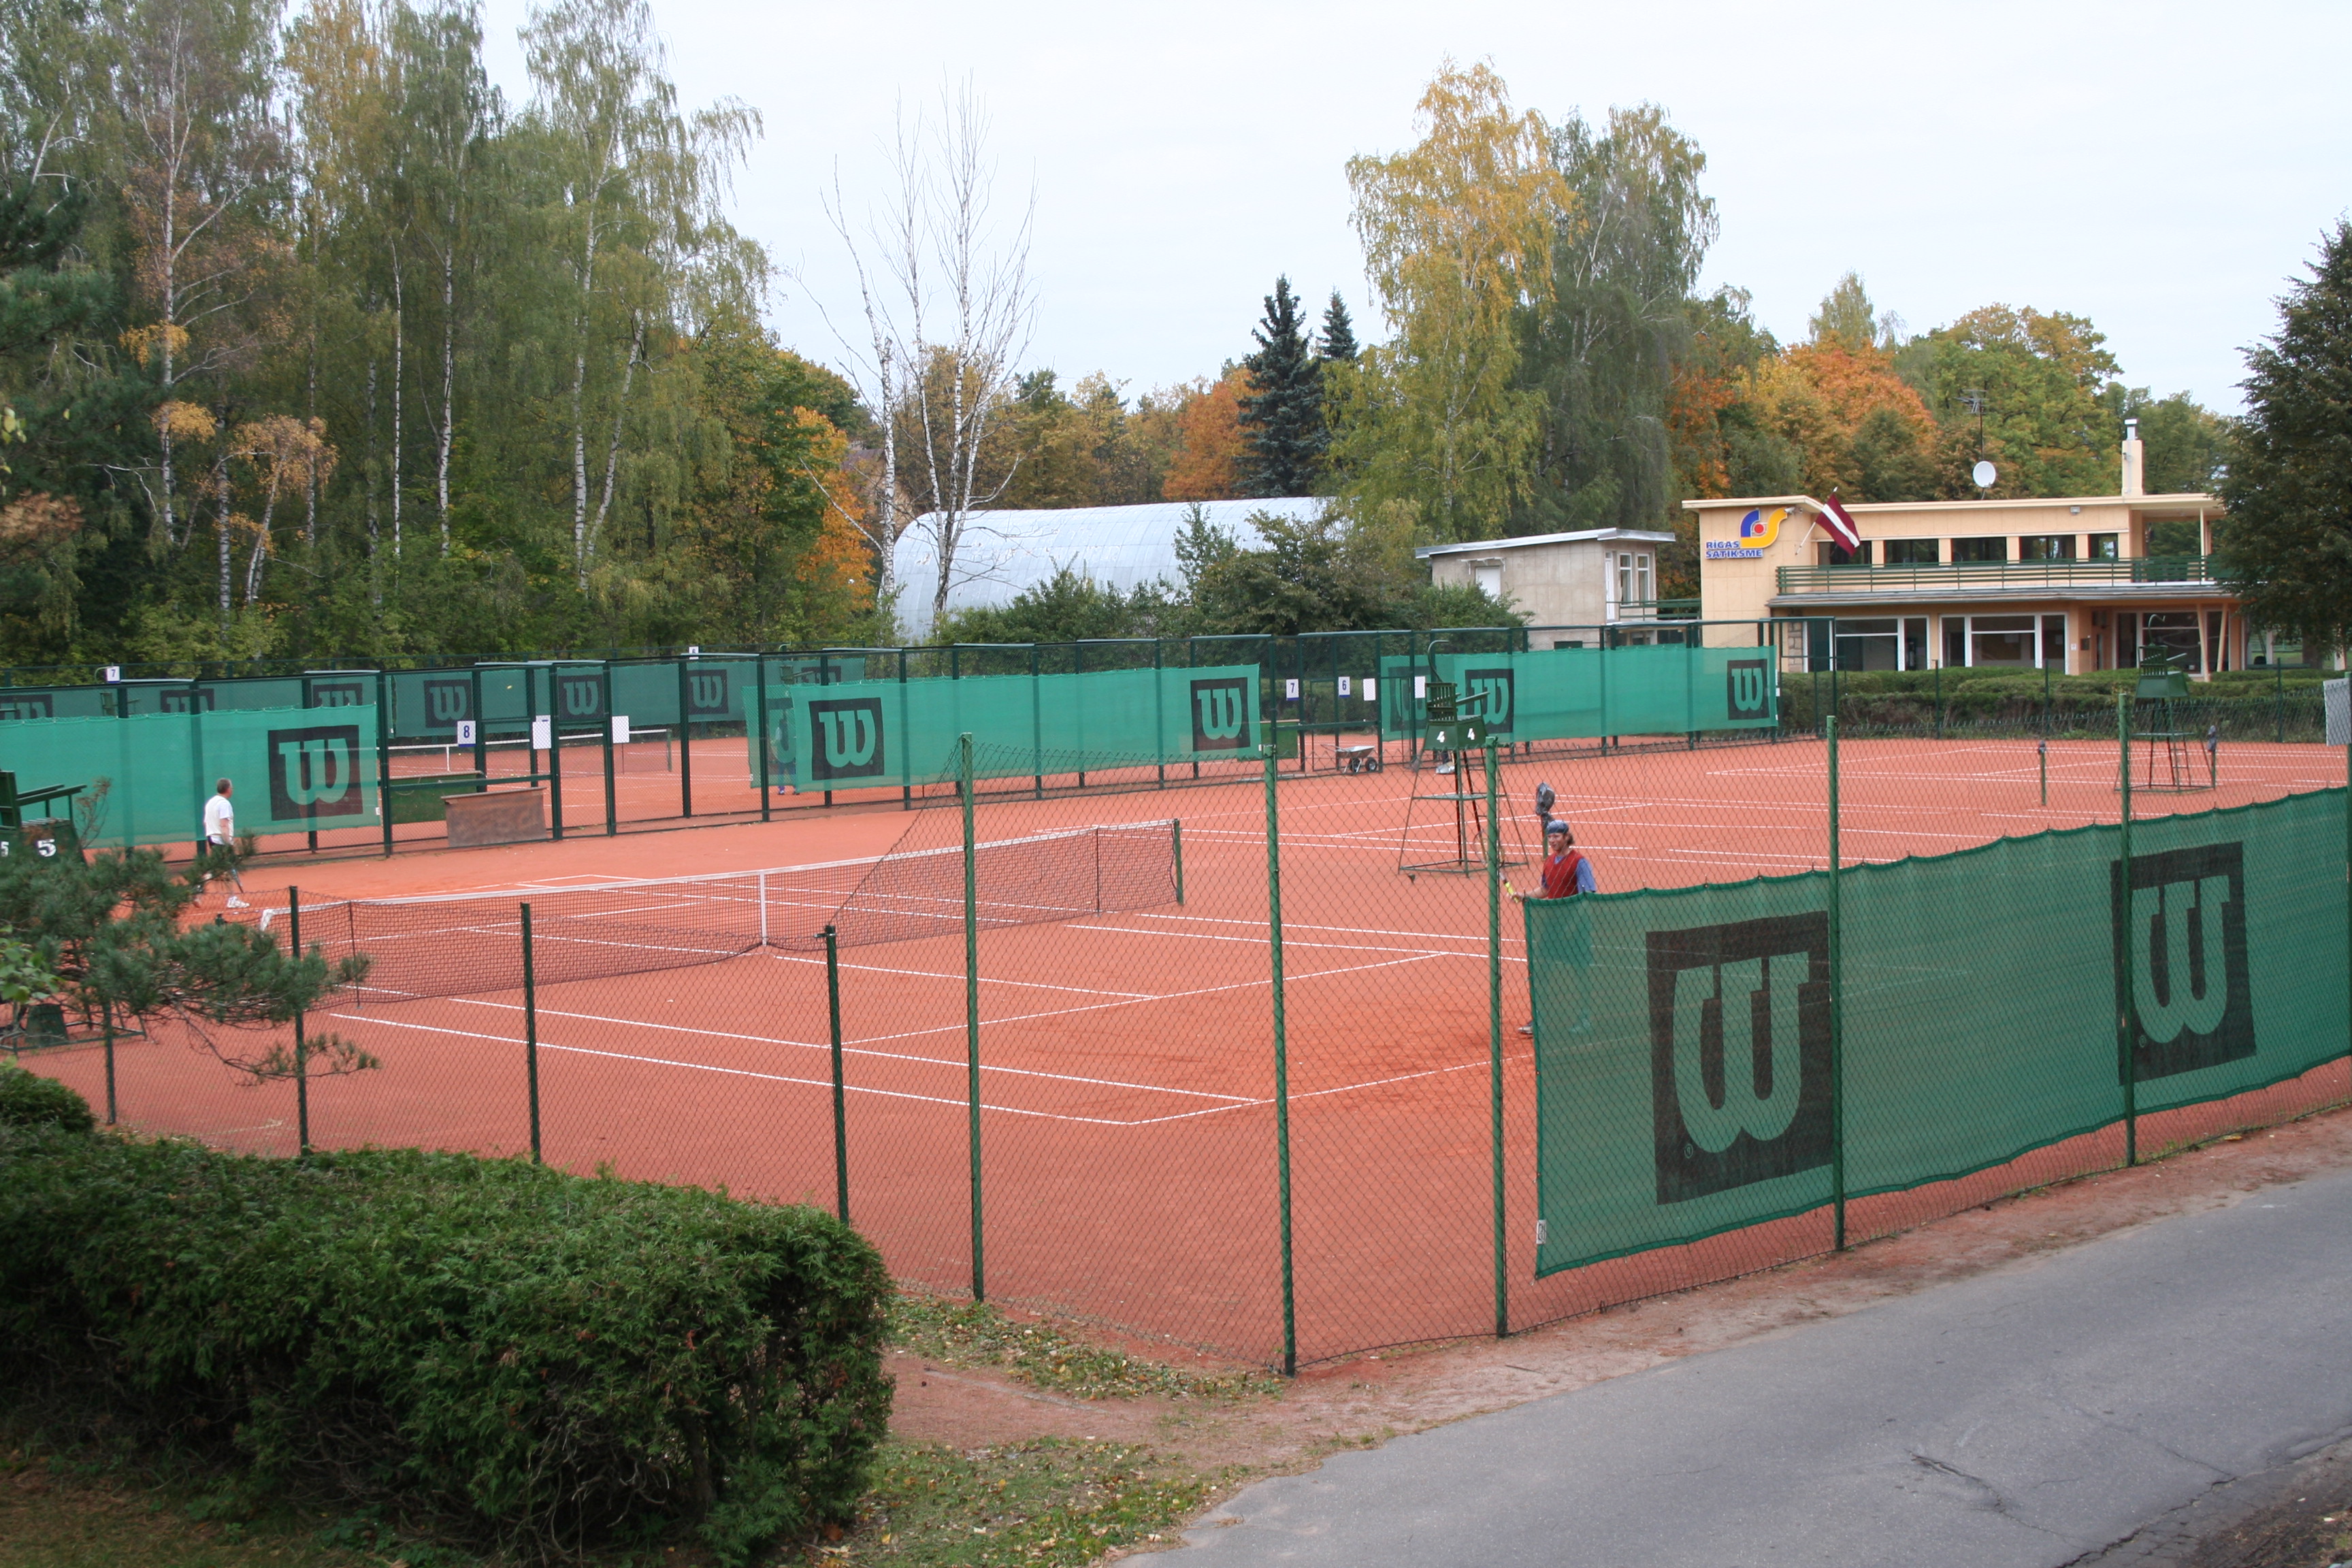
x,y
1569,693
296,770
1683,1037
860,733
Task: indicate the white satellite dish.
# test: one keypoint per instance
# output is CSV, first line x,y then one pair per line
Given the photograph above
x,y
1984,473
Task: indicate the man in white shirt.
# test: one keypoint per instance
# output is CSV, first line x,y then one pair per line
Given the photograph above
x,y
220,840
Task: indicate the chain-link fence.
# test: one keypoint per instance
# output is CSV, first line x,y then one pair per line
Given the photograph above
x,y
1281,1066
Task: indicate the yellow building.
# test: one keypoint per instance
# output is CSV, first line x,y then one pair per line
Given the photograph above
x,y
2068,583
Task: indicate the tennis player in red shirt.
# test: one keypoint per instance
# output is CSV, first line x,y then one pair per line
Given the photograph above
x,y
1565,873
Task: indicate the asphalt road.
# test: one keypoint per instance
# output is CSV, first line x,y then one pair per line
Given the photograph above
x,y
2080,1408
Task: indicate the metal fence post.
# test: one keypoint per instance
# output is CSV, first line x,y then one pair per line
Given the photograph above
x,y
1281,1057
2126,1064
302,1046
106,1022
530,1035
1494,1033
383,752
766,747
1837,993
612,798
840,1108
686,741
1176,842
971,1006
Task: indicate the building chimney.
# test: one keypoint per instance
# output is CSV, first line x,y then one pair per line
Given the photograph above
x,y
2134,456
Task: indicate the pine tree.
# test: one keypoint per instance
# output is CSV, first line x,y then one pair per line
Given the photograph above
x,y
1283,409
1338,344
2288,547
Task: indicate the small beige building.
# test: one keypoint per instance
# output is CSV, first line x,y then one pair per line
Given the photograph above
x,y
1595,577
2066,582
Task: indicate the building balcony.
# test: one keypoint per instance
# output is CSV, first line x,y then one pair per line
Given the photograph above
x,y
1653,610
2147,576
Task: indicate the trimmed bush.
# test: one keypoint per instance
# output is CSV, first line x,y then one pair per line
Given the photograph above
x,y
28,1099
538,1361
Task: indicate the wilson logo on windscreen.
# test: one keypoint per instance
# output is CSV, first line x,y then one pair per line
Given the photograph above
x,y
338,694
580,696
1747,689
706,693
1220,715
2181,959
188,699
848,736
314,772
1739,1053
1500,691
446,701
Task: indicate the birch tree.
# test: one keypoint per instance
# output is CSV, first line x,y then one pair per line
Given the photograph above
x,y
947,307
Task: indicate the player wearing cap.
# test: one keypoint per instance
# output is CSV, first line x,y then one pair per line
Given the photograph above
x,y
1565,873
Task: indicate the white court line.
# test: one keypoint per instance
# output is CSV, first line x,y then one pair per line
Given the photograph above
x,y
1239,1103
984,980
848,1048
1303,925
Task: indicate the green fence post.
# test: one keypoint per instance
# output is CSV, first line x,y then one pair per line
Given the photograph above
x,y
554,752
612,799
2278,686
1837,995
106,1022
2347,897
302,1046
1281,1057
840,1108
382,754
1494,1035
971,1005
2126,1067
767,748
529,1035
1940,700
1176,839
685,743
2044,748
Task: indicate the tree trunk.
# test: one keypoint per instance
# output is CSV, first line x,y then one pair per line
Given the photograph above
x,y
448,383
220,523
375,536
399,349
613,449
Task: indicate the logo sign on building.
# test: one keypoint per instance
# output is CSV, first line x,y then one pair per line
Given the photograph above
x,y
847,731
1758,532
28,705
1220,715
339,694
706,693
578,696
1747,689
1739,1053
2181,959
1500,692
314,772
448,703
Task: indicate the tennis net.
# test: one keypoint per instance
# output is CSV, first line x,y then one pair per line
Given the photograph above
x,y
469,944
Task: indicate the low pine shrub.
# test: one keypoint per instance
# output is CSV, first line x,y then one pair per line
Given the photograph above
x,y
28,1099
536,1362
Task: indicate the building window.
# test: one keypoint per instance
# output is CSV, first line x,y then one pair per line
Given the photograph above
x,y
2172,633
2053,642
1980,550
2104,547
1868,644
1486,576
1632,576
1914,642
1914,552
1956,641
2046,547
2002,641
1828,555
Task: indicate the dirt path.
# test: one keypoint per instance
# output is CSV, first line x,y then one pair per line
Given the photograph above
x,y
1361,1401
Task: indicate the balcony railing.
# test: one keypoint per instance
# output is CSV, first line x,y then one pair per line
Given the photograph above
x,y
1955,575
1657,609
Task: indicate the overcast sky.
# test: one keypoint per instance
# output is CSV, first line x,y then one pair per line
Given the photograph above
x,y
2162,169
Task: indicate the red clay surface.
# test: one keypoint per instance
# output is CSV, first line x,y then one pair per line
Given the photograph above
x,y
1127,1075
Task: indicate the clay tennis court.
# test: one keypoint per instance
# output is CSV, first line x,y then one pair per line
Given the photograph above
x,y
1127,1080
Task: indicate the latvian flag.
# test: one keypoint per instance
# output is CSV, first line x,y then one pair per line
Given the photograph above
x,y
1840,526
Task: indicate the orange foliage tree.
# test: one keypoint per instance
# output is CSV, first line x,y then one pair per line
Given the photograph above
x,y
1207,465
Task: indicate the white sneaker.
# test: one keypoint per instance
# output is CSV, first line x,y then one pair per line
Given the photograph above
x,y
1444,768
239,904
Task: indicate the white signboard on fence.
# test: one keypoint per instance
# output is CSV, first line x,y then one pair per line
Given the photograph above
x,y
542,732
466,732
2338,695
620,729
1345,682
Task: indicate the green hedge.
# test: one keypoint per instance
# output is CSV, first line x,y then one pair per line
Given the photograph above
x,y
538,1361
2250,705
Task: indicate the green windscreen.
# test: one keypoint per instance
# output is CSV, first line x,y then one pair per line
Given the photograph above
x,y
1576,693
294,770
860,733
1683,1037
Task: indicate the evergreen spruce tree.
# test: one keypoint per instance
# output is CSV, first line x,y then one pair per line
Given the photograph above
x,y
2288,544
1283,410
1338,333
